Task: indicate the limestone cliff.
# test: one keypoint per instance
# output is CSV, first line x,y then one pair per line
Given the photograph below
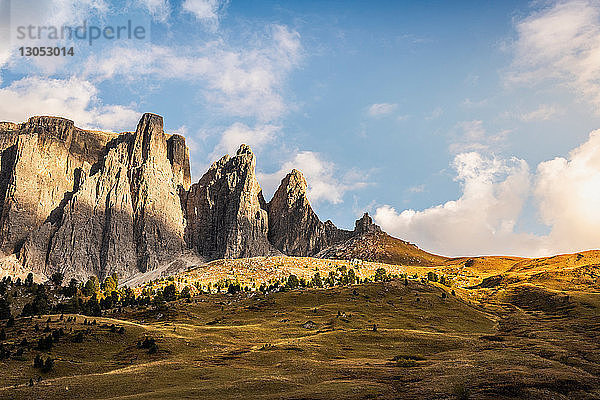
x,y
225,210
86,202
93,203
294,228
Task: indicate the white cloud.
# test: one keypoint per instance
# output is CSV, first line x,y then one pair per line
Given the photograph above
x,y
321,177
206,11
543,113
416,189
72,98
379,109
468,103
239,133
494,191
243,82
568,191
472,136
560,43
480,221
159,9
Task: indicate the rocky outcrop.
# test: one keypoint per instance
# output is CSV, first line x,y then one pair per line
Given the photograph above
x,y
37,170
365,225
294,228
368,242
225,210
179,155
91,203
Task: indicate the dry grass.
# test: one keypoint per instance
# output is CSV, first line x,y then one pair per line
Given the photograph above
x,y
255,346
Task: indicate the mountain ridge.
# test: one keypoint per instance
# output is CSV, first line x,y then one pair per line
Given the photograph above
x,y
87,203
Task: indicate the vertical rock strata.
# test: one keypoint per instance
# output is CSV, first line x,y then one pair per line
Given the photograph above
x,y
225,210
294,228
93,203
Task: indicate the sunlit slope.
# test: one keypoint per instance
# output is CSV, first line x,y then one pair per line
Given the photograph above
x,y
381,247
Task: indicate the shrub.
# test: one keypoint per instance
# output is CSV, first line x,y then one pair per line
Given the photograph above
x,y
4,309
292,282
2,334
461,392
45,343
403,362
78,338
150,344
186,293
170,293
48,365
381,275
57,278
38,362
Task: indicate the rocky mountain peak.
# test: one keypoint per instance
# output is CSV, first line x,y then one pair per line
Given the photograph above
x,y
61,128
149,140
293,190
294,228
365,225
244,149
225,210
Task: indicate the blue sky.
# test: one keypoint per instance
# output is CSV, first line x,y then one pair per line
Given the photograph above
x,y
465,127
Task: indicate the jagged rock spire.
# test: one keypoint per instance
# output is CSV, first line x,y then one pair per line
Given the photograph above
x,y
225,210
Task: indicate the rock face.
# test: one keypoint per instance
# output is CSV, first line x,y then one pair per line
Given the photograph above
x,y
93,203
294,228
365,225
226,212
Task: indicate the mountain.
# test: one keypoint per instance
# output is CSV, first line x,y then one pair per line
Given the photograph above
x,y
226,212
93,203
294,228
369,243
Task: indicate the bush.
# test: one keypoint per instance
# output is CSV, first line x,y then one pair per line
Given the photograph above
x,y
186,293
150,344
45,343
38,362
48,365
2,334
57,278
78,338
4,352
4,309
403,362
233,288
170,292
381,275
29,280
461,392
292,282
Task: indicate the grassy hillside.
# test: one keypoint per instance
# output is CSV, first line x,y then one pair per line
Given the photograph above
x,y
321,343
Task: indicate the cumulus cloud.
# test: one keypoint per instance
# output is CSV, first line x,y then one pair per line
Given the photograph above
x,y
72,98
480,221
379,109
483,219
560,43
242,82
568,190
321,176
